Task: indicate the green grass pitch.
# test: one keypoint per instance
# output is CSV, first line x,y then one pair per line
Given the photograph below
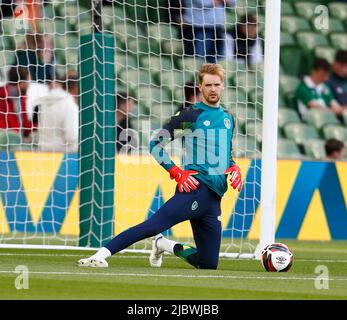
x,y
54,275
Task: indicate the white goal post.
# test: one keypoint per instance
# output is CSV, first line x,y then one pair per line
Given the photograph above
x,y
41,190
270,123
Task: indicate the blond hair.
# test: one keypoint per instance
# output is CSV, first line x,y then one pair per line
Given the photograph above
x,y
211,68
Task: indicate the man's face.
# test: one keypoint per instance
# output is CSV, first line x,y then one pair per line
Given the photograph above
x,y
252,31
211,89
320,75
127,107
338,155
249,30
23,87
340,69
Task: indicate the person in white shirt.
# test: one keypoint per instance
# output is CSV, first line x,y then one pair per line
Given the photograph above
x,y
36,91
243,44
204,28
58,118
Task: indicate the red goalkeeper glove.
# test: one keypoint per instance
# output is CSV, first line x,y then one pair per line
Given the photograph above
x,y
184,178
235,178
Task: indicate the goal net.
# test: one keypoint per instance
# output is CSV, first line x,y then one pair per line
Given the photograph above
x,y
63,179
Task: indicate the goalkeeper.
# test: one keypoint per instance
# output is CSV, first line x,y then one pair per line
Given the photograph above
x,y
207,130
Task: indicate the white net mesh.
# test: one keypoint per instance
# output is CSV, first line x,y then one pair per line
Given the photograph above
x,y
159,49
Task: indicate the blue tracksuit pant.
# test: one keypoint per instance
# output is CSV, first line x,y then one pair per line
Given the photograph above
x,y
201,207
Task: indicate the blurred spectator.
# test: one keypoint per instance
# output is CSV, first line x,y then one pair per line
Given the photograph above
x,y
338,79
243,44
13,114
204,28
6,8
36,52
175,11
335,149
192,95
313,92
58,118
126,135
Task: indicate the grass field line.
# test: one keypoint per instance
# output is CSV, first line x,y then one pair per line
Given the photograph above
x,y
319,250
146,257
201,276
322,260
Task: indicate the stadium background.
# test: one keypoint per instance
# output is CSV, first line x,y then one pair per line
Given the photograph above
x,y
314,210
311,198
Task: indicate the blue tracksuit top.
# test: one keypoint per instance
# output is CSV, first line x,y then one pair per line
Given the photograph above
x,y
207,138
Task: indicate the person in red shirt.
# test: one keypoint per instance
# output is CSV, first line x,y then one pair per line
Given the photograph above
x,y
13,114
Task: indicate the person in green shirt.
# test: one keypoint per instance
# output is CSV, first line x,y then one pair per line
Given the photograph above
x,y
314,93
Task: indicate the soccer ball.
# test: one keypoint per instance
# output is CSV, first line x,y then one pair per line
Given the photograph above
x,y
276,257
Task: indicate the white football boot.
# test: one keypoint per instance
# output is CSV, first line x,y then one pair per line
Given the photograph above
x,y
156,256
92,262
